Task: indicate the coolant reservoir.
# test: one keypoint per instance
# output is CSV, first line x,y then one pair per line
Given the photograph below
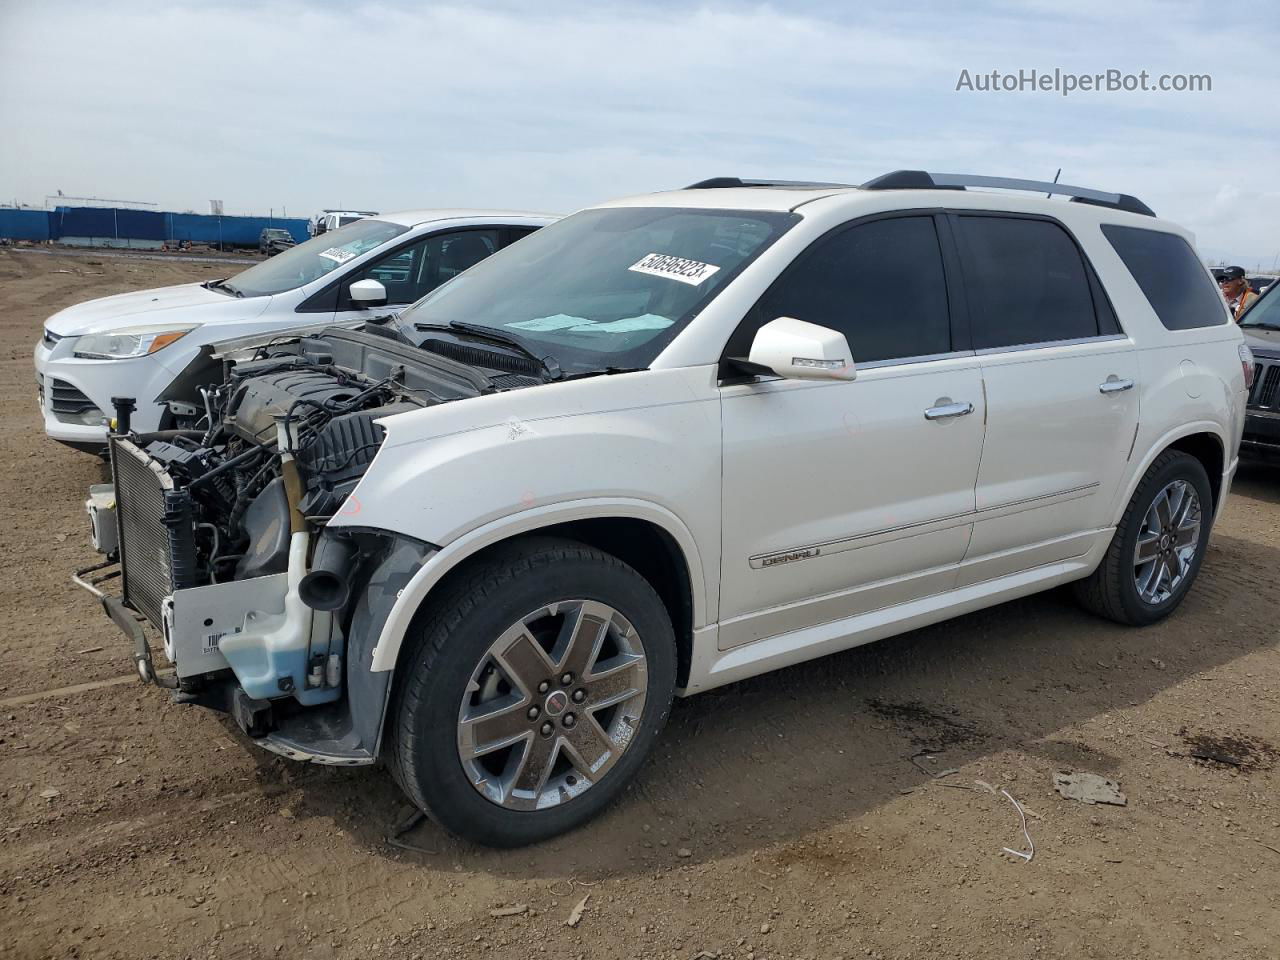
x,y
270,655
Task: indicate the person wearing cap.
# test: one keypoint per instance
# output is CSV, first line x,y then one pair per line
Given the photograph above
x,y
1235,288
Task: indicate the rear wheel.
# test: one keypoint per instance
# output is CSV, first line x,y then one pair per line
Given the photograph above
x,y
1158,545
538,682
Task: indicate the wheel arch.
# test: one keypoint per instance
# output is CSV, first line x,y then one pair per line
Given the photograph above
x,y
646,536
1209,449
1205,441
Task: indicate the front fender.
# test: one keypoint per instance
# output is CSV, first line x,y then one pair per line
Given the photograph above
x,y
467,474
412,596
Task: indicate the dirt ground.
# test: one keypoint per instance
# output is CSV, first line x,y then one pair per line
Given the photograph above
x,y
808,813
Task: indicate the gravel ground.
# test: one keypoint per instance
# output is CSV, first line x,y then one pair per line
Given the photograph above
x,y
830,810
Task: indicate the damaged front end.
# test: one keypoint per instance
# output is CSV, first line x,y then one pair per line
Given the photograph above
x,y
221,547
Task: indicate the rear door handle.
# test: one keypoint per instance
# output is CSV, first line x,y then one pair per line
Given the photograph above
x,y
946,409
1114,384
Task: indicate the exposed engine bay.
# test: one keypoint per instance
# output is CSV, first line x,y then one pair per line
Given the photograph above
x,y
314,400
222,543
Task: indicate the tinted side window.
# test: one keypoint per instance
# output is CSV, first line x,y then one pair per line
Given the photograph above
x,y
1026,282
1170,275
451,253
881,284
415,271
516,233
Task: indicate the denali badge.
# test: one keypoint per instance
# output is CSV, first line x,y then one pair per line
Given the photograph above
x,y
776,558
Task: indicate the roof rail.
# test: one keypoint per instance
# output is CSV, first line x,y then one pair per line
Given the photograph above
x,y
718,183
922,180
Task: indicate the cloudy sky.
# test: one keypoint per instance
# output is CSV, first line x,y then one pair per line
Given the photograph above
x,y
554,106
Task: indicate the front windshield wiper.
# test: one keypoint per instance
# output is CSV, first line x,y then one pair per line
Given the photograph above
x,y
222,285
1261,325
604,371
548,363
380,328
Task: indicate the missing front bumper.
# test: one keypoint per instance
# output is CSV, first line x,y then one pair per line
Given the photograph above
x,y
311,695
91,579
123,618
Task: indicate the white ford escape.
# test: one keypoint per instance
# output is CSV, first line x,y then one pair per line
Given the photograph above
x,y
669,443
140,345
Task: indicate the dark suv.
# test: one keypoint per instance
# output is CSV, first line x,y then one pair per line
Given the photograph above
x,y
273,240
1261,329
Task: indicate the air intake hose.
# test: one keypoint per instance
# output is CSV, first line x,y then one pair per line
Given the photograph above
x,y
327,586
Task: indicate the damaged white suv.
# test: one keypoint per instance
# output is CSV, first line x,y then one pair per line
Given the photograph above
x,y
665,444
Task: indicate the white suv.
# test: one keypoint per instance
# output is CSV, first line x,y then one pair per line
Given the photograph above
x,y
142,345
668,443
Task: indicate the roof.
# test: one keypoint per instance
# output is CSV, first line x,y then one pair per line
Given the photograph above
x,y
940,189
411,218
780,199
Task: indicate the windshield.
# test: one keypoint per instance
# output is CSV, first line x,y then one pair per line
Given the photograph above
x,y
603,288
309,261
1264,313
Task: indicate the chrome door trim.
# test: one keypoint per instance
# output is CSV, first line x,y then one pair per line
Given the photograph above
x,y
827,547
1071,493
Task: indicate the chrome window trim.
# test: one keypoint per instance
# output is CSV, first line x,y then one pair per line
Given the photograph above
x,y
1049,344
868,365
905,361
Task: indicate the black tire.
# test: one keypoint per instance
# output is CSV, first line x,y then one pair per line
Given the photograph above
x,y
1111,591
449,640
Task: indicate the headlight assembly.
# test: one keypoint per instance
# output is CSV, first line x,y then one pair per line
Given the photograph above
x,y
129,341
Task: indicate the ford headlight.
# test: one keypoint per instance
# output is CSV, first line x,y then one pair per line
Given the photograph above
x,y
130,341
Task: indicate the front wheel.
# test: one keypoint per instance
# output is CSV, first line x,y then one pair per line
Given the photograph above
x,y
1158,545
537,683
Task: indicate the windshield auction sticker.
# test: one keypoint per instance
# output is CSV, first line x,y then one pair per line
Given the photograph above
x,y
691,272
337,254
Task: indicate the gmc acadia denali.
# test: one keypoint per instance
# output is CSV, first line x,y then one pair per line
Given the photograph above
x,y
665,444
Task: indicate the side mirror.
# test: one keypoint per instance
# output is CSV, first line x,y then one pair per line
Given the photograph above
x,y
368,293
797,350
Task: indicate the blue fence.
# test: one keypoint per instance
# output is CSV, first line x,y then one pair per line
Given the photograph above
x,y
24,224
116,226
240,231
103,223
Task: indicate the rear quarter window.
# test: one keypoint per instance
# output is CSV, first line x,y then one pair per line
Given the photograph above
x,y
1027,282
1171,276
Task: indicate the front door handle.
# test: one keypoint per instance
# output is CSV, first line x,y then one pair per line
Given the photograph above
x,y
1114,384
946,409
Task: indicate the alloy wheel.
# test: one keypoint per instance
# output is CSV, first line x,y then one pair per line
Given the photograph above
x,y
552,705
1167,542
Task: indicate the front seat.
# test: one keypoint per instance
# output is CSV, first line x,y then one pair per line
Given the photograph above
x,y
461,252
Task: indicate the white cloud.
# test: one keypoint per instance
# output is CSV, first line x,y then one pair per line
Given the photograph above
x,y
387,106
